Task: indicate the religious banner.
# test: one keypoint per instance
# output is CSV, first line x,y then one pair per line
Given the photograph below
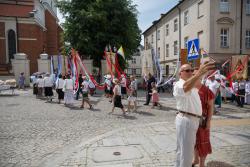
x,y
110,57
239,66
184,59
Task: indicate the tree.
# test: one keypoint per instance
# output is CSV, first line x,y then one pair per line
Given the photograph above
x,y
90,25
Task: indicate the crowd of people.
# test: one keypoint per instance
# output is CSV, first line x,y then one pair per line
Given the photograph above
x,y
197,100
238,93
65,87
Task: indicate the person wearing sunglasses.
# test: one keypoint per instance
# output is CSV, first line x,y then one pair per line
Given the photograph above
x,y
189,111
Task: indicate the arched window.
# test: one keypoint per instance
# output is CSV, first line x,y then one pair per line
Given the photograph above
x,y
11,44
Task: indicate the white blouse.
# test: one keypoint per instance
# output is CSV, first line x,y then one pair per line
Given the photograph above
x,y
48,82
69,84
118,87
40,83
59,83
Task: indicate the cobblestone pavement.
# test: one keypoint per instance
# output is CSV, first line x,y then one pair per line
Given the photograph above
x,y
36,133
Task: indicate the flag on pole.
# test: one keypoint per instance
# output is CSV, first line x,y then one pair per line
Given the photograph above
x,y
51,65
59,59
121,52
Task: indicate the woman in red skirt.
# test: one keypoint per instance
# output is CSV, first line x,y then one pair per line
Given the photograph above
x,y
203,145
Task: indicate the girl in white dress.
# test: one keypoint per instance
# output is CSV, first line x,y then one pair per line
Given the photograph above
x,y
68,89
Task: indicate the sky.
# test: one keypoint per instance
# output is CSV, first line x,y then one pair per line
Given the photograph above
x,y
149,10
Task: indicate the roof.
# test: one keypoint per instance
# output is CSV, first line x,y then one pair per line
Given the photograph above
x,y
163,15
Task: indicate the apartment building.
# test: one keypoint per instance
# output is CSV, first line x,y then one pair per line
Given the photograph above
x,y
135,64
222,26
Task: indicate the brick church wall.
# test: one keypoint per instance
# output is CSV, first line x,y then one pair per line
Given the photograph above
x,y
32,43
51,34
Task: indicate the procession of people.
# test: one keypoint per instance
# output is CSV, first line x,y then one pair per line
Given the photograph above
x,y
197,100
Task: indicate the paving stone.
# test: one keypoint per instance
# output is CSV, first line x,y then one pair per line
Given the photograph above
x,y
36,133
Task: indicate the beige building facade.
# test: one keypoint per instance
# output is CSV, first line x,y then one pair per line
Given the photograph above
x,y
222,27
135,64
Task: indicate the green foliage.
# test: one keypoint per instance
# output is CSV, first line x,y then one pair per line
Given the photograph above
x,y
92,24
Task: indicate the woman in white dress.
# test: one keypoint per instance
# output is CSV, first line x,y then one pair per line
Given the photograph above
x,y
68,89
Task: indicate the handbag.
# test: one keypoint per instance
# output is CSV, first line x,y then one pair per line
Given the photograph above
x,y
203,119
203,122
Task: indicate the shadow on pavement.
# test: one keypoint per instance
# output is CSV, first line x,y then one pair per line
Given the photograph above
x,y
165,108
8,95
73,107
228,116
95,110
125,116
218,164
144,113
12,105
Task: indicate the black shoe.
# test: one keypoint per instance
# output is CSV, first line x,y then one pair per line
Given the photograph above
x,y
145,104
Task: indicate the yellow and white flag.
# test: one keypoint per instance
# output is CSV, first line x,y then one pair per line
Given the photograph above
x,y
121,52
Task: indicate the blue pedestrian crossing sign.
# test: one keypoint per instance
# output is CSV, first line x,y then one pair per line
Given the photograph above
x,y
193,49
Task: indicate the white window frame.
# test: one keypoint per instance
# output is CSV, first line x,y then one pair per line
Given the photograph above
x,y
224,38
133,60
176,25
152,38
199,5
167,29
224,6
248,7
167,50
175,47
186,17
129,71
247,39
158,35
133,71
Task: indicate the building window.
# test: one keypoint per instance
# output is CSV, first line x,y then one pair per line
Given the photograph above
x,y
167,30
248,39
201,38
138,71
200,9
224,37
133,71
167,70
129,71
147,47
186,18
152,38
224,6
175,47
175,25
159,52
133,60
185,42
158,34
11,44
248,7
167,50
